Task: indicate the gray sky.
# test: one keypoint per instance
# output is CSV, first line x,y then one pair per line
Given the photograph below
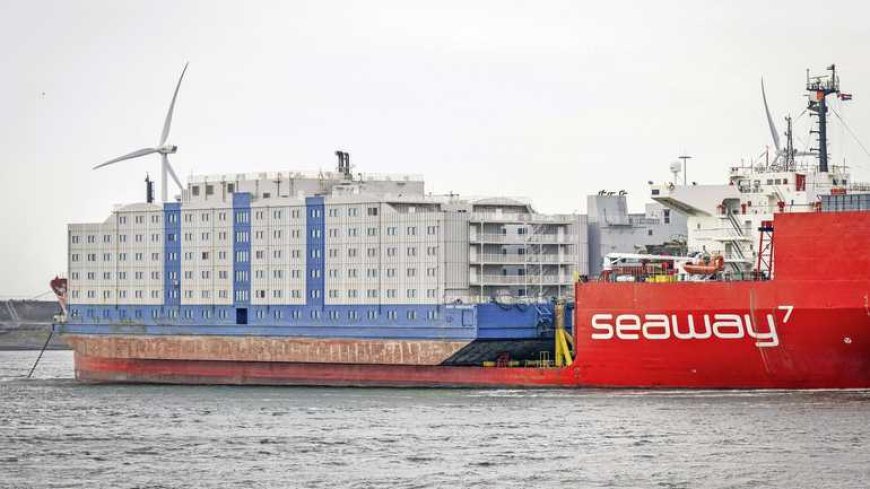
x,y
546,100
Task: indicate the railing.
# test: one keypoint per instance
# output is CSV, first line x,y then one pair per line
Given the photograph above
x,y
663,278
725,233
526,258
522,238
519,280
557,219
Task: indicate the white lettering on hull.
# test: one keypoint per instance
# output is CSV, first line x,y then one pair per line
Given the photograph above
x,y
657,327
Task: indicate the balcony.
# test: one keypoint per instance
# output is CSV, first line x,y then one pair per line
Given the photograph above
x,y
529,280
523,218
522,238
514,258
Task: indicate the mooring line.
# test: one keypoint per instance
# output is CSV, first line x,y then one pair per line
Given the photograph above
x,y
50,333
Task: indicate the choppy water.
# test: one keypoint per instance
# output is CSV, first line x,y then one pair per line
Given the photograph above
x,y
57,433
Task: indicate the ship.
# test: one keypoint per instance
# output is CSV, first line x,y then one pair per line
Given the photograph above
x,y
296,279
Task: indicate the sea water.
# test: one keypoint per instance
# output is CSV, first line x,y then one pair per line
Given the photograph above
x,y
55,432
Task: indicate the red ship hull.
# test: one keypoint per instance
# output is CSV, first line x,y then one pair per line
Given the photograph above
x,y
825,343
811,322
102,369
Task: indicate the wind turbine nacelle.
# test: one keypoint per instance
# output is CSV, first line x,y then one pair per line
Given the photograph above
x,y
168,149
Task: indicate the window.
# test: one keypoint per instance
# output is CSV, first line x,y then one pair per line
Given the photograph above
x,y
412,272
431,229
195,190
411,293
412,251
391,251
372,211
412,230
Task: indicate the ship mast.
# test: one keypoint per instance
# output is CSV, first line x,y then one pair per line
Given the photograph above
x,y
789,145
820,87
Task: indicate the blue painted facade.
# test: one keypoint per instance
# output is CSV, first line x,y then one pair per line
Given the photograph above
x,y
315,246
448,322
172,257
241,250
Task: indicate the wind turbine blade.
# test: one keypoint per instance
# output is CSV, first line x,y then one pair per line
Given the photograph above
x,y
770,123
172,172
129,156
168,122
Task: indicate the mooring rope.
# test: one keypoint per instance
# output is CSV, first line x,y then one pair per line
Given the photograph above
x,y
50,333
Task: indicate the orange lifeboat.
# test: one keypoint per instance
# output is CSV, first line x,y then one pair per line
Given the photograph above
x,y
706,267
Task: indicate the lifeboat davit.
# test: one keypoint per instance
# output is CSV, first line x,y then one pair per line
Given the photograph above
x,y
717,264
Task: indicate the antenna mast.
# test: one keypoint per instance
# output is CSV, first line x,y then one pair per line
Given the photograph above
x,y
789,145
820,87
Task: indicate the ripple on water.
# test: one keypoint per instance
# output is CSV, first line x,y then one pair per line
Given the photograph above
x,y
57,433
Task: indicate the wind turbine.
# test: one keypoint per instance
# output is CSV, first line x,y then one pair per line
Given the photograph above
x,y
773,131
162,148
